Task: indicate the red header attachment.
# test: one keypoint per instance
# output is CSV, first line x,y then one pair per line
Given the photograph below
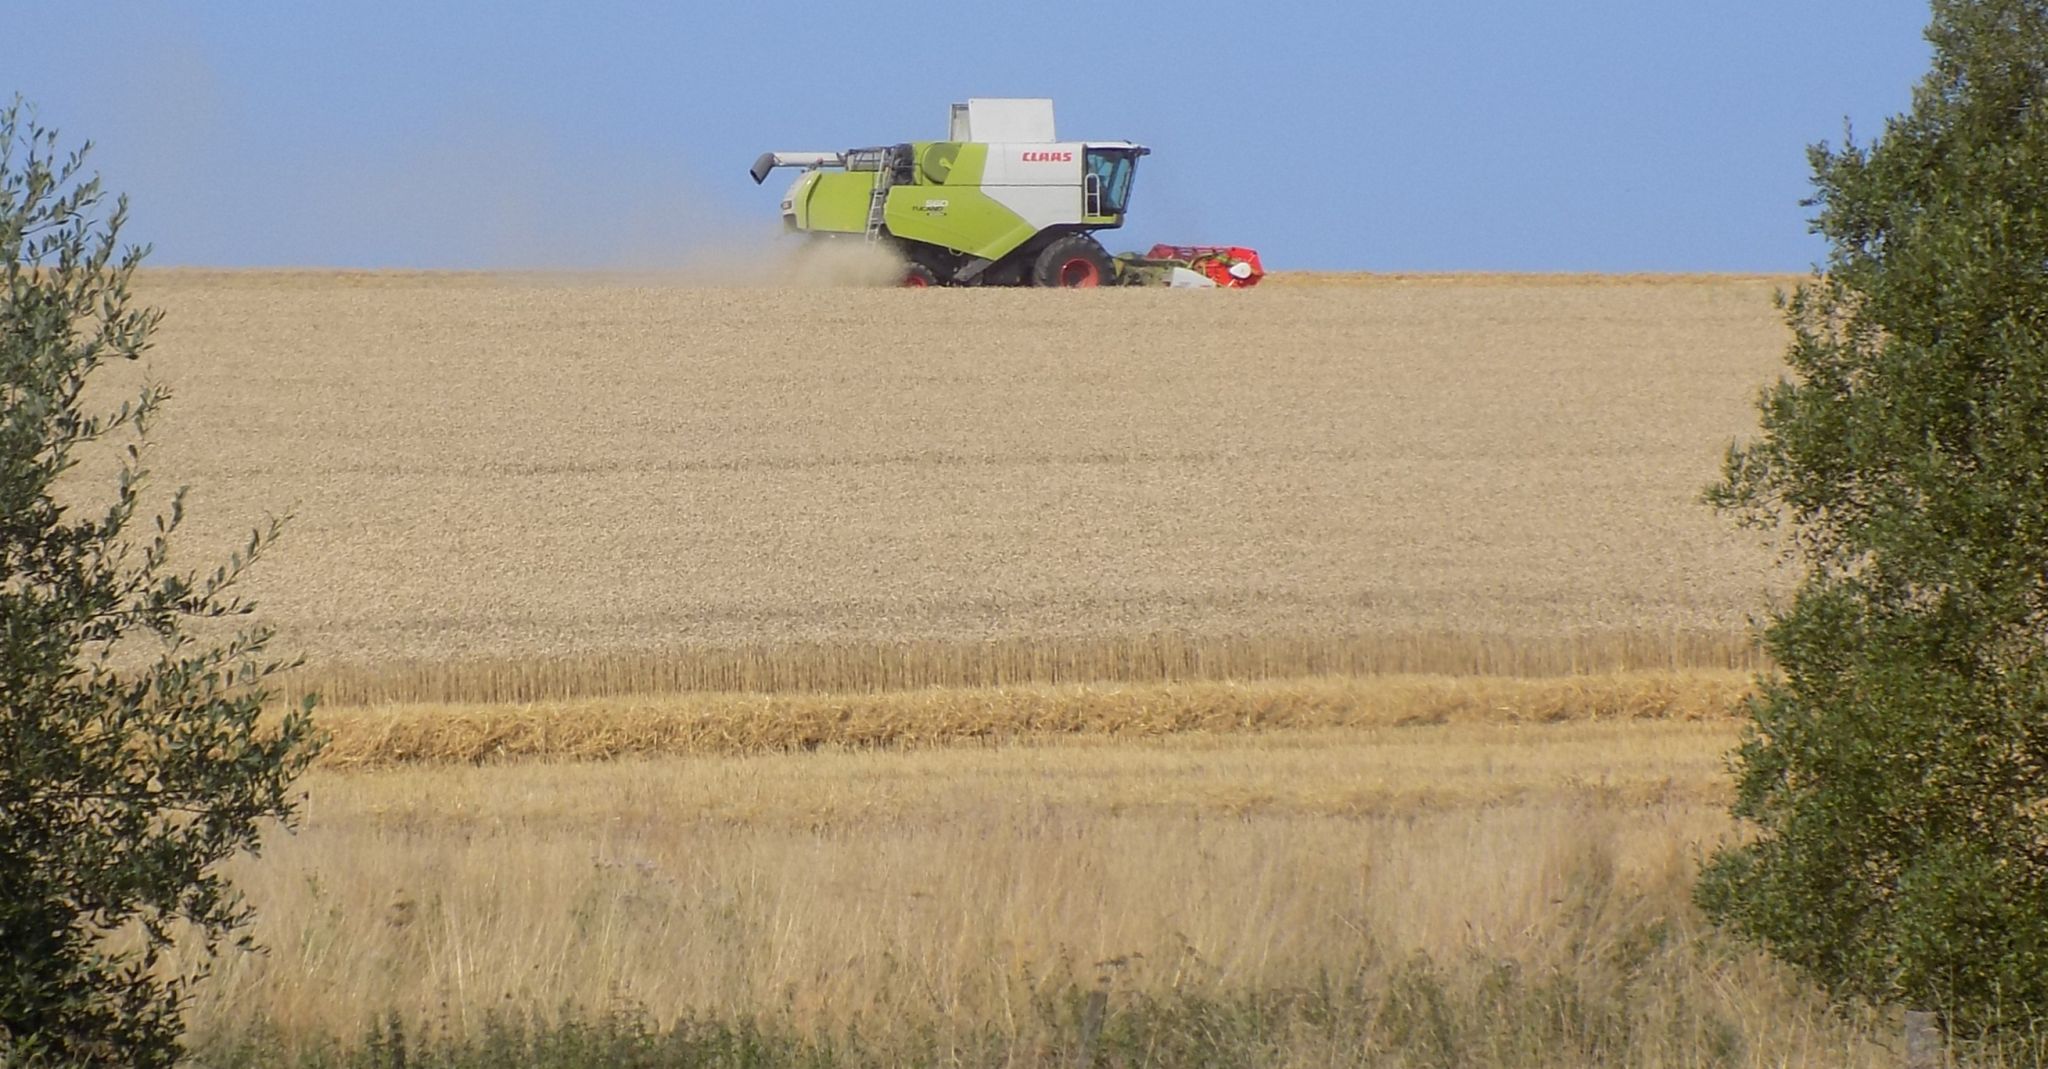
x,y
1231,266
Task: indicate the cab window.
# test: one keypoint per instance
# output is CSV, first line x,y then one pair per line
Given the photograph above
x,y
1109,180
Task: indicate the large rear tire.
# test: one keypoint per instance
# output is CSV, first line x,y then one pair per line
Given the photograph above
x,y
1075,261
917,276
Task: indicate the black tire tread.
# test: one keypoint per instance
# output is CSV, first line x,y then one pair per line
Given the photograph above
x,y
1045,270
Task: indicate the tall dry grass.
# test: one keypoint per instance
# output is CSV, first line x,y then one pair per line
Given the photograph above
x,y
896,893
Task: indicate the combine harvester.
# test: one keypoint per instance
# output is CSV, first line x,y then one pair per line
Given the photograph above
x,y
1001,202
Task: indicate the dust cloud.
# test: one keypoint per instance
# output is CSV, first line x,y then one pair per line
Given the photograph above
x,y
472,185
520,205
496,197
784,260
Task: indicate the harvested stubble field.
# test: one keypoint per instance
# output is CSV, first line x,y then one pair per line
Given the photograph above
x,y
520,488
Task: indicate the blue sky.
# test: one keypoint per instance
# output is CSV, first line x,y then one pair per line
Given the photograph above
x,y
1604,135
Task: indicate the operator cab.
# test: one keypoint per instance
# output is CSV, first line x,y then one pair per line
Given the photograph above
x,y
1106,182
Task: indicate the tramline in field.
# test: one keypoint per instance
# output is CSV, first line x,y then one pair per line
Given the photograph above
x,y
1001,202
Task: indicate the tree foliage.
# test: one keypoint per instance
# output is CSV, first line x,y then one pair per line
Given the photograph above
x,y
1896,773
132,759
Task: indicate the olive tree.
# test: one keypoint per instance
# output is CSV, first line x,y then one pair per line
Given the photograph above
x,y
1895,775
135,753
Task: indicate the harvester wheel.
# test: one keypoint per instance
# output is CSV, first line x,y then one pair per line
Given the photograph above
x,y
1074,261
918,276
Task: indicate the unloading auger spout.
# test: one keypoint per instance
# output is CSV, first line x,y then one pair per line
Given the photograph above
x,y
769,161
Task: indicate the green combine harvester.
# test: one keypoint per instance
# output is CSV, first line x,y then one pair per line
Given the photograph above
x,y
1001,202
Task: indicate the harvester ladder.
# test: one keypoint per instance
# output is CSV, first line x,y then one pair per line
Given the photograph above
x,y
878,201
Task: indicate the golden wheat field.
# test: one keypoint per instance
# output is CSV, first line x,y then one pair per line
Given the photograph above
x,y
890,662
511,487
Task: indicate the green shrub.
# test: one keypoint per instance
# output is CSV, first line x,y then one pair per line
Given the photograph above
x,y
1896,774
132,762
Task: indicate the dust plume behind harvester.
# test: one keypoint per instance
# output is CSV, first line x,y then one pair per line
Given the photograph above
x,y
1001,202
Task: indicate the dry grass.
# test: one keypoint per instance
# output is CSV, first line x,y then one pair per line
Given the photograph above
x,y
729,724
899,889
492,472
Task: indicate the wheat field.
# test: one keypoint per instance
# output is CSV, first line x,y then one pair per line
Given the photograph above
x,y
888,663
611,485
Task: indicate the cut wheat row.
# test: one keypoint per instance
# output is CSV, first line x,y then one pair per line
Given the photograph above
x,y
699,725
